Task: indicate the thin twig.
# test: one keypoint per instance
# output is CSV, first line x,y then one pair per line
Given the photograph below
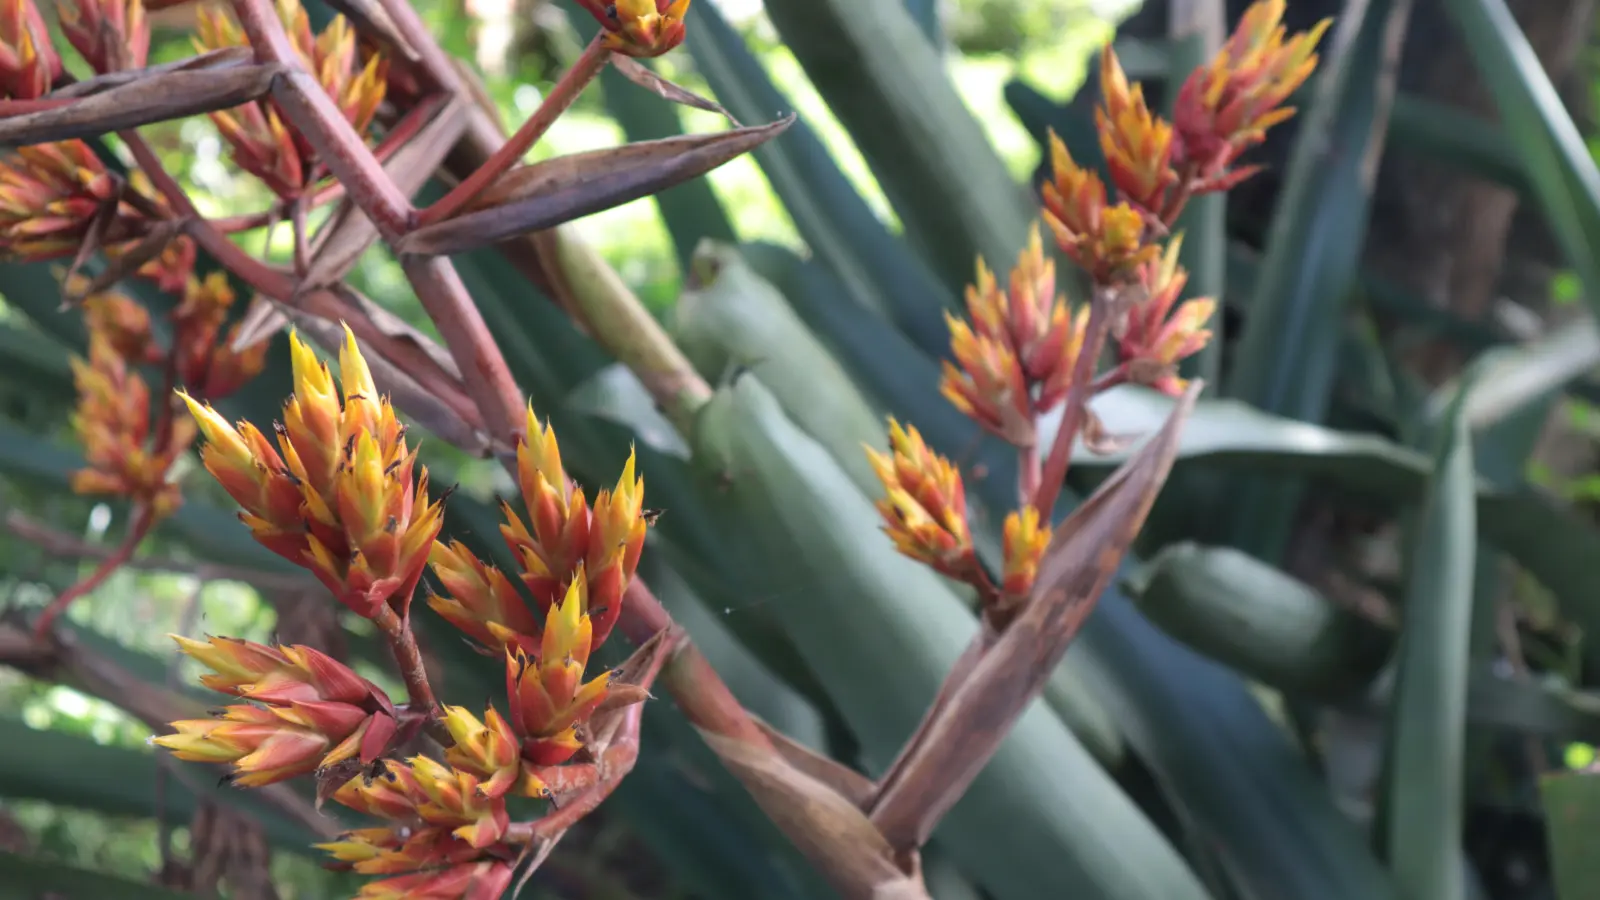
x,y
59,543
1055,467
143,517
559,100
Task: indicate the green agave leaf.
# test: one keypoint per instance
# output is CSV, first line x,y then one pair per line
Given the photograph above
x,y
874,268
1281,632
1572,818
1554,157
1547,541
730,320
1288,351
1423,796
73,771
1228,767
1260,621
1438,132
888,86
926,14
28,878
1068,827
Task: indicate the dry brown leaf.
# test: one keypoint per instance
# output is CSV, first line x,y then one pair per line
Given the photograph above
x,y
1081,560
646,77
559,190
154,98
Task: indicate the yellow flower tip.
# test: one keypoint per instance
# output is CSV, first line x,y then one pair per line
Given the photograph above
x,y
353,371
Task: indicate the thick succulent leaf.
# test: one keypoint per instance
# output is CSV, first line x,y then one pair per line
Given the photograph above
x,y
1068,827
875,269
1552,544
731,320
1260,621
1288,351
1281,632
888,86
35,361
1423,795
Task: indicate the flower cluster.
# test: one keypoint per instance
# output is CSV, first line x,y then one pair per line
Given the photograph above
x,y
205,358
1227,106
28,63
1023,349
1014,361
308,711
337,495
110,35
340,499
113,423
640,28
126,455
262,144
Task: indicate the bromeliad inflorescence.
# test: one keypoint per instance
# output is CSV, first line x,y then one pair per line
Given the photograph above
x,y
1025,352
342,494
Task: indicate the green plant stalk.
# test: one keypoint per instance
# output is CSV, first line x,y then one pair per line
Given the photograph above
x,y
607,309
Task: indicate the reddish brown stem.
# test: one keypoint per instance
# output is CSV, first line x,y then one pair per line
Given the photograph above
x,y
1028,472
1055,467
10,108
408,658
559,100
466,335
143,519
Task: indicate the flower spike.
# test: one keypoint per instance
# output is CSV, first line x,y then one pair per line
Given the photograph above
x,y
313,712
341,499
641,28
925,509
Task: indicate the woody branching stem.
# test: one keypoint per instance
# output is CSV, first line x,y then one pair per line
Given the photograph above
x,y
1054,474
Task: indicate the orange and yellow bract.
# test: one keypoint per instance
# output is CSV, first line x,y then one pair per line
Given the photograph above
x,y
640,27
341,499
549,697
262,143
48,195
925,511
1015,358
29,65
1137,143
206,361
308,712
1228,105
1157,337
113,422
110,35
